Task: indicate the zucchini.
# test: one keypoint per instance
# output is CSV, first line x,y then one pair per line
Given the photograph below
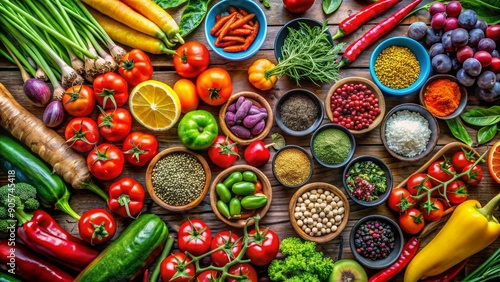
x,y
126,257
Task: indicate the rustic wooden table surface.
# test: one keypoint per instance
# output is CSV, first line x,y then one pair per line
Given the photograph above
x,y
277,217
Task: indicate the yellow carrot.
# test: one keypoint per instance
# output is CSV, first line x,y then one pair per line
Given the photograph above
x,y
131,37
159,16
126,15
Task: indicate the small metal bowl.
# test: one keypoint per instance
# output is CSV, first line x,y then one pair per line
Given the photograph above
x,y
343,129
311,162
463,95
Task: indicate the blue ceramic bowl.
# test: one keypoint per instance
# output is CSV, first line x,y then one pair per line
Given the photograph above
x,y
222,8
422,57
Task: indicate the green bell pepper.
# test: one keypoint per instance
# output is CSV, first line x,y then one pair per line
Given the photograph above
x,y
198,129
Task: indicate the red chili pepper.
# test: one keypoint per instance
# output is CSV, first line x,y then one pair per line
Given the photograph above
x,y
29,266
449,274
354,21
358,46
126,197
60,249
409,251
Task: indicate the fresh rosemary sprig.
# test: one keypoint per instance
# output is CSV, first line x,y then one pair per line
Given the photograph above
x,y
307,53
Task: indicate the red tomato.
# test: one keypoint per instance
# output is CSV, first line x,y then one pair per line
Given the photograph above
x,y
175,265
432,210
192,59
411,221
96,226
416,182
214,86
457,192
475,176
298,6
135,67
461,159
105,162
440,171
223,152
81,134
139,148
194,236
400,200
207,276
79,100
263,246
111,90
243,269
230,242
114,125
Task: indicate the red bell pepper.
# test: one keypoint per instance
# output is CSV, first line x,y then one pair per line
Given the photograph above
x,y
44,236
126,197
17,258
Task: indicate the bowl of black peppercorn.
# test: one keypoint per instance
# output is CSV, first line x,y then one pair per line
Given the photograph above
x,y
298,112
376,241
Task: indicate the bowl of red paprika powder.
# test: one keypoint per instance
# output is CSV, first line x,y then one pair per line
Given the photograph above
x,y
443,96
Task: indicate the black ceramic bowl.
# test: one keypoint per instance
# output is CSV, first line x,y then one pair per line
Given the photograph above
x,y
285,97
311,162
393,256
387,173
343,129
283,33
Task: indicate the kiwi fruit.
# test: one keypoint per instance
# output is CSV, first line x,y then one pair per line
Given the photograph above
x,y
348,270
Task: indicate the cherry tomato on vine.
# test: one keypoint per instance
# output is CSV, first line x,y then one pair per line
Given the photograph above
x,y
135,67
243,269
208,276
411,221
263,246
223,152
139,148
231,244
462,158
432,210
194,236
105,162
192,58
416,182
81,134
475,176
400,200
214,86
114,125
96,226
457,192
79,100
186,90
173,268
442,170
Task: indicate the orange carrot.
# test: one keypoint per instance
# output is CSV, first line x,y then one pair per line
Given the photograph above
x,y
248,26
242,11
221,44
218,25
240,32
241,22
225,29
248,41
233,38
232,9
217,18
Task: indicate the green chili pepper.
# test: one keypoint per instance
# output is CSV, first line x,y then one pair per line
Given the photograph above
x,y
249,176
233,178
253,202
223,209
235,207
223,193
243,188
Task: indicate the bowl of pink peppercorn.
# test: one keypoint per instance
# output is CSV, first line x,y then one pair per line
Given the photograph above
x,y
355,103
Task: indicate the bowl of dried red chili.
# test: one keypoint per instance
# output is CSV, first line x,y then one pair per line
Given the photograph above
x,y
443,96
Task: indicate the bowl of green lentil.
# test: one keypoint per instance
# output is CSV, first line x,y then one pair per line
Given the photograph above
x,y
332,145
400,66
292,166
178,179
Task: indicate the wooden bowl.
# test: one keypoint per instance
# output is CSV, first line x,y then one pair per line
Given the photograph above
x,y
160,202
266,190
257,100
371,86
324,186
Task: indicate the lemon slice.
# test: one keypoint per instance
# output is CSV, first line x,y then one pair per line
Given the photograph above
x,y
155,105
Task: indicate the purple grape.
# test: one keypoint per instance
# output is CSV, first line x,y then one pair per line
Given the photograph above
x,y
453,9
467,19
455,64
437,7
472,66
459,37
486,44
438,21
481,24
489,95
464,78
433,36
417,30
495,54
475,35
450,24
436,48
446,40
441,63
486,80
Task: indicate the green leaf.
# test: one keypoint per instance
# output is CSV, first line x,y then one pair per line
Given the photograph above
x,y
330,6
486,133
488,10
482,116
458,131
193,15
278,140
167,4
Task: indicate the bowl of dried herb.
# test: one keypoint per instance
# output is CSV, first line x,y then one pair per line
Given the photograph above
x,y
298,112
292,166
332,145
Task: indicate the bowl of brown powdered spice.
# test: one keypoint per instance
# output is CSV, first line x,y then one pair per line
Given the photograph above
x,y
299,112
292,166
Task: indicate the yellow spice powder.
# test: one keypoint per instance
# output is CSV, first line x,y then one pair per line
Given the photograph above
x,y
292,166
397,67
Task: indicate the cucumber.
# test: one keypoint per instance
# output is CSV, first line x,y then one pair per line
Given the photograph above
x,y
126,257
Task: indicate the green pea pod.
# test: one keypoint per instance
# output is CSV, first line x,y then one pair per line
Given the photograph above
x,y
249,176
233,178
243,188
235,207
253,202
223,209
223,193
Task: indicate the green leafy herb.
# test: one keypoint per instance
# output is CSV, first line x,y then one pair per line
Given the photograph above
x,y
481,116
278,141
330,6
366,180
193,15
167,4
265,4
458,130
307,53
486,133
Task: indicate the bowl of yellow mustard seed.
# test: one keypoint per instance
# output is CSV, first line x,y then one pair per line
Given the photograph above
x,y
292,166
400,66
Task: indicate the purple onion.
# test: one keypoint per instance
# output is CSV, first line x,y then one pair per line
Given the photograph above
x,y
37,92
53,114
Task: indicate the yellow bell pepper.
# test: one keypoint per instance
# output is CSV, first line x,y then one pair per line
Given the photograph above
x,y
258,76
469,230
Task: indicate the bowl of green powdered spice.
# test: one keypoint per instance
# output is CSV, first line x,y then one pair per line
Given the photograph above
x,y
332,145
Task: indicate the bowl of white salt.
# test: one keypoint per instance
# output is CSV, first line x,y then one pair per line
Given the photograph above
x,y
409,132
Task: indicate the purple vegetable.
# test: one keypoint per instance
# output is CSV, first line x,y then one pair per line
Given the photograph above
x,y
37,92
241,131
232,108
253,110
240,101
251,120
258,128
229,118
242,111
264,110
53,114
